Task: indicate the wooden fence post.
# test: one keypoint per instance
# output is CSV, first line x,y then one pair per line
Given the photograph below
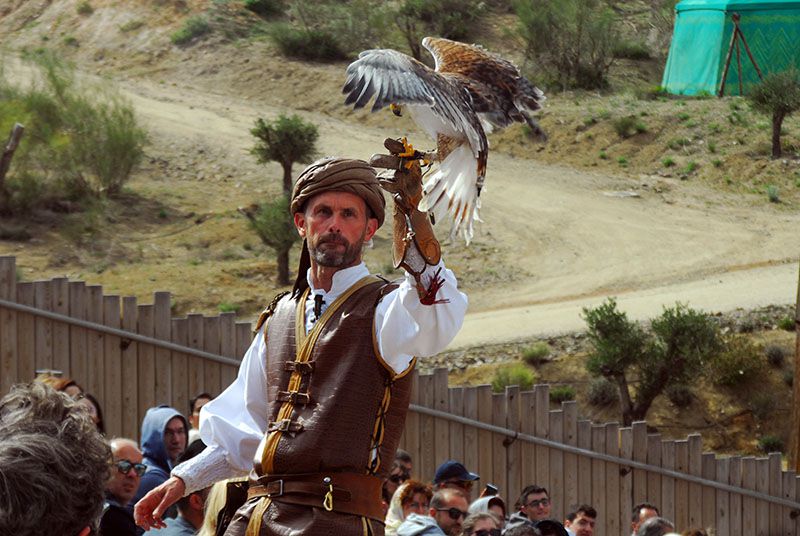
x,y
8,325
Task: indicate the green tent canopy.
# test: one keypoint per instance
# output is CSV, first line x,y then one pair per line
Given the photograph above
x,y
702,37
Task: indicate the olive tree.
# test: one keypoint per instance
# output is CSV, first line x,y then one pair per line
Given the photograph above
x,y
777,95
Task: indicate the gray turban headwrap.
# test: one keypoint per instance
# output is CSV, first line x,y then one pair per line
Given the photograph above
x,y
335,175
340,175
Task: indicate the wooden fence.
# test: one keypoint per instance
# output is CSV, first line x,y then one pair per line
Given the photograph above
x,y
526,441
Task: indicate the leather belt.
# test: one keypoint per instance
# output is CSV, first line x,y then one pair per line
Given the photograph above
x,y
345,493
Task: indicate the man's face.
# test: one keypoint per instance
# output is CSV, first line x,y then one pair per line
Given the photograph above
x,y
175,438
456,505
123,486
537,506
582,525
397,476
644,515
335,225
194,418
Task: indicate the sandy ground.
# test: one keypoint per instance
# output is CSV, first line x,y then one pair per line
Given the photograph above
x,y
568,237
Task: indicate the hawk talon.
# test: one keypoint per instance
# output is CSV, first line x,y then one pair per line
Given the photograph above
x,y
408,149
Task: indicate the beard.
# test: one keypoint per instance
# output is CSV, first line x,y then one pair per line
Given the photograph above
x,y
327,253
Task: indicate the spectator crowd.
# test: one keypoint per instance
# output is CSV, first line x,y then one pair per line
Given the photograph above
x,y
59,474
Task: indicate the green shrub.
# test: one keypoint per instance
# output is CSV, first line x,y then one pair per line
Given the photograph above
x,y
625,127
622,161
679,394
650,93
786,323
536,354
602,155
772,194
776,355
71,41
738,362
307,44
131,25
84,8
678,143
192,28
265,8
691,167
601,392
226,307
762,404
668,162
562,393
716,163
516,374
770,443
631,50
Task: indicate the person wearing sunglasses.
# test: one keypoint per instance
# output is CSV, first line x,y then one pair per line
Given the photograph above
x,y
446,513
533,505
126,470
481,524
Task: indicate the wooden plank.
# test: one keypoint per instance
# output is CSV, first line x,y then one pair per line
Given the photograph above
x,y
178,360
527,412
196,364
79,365
9,360
774,481
667,507
485,444
653,458
541,395
131,416
227,346
112,407
709,472
569,436
162,317
748,503
555,486
95,344
499,458
514,450
244,338
695,490
212,371
639,430
614,523
626,473
599,481
427,436
681,518
26,335
762,507
60,296
43,299
456,405
735,507
584,463
441,428
471,456
146,360
788,492
412,430
722,517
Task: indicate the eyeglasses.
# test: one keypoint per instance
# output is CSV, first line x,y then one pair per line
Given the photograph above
x,y
540,502
487,532
454,513
123,466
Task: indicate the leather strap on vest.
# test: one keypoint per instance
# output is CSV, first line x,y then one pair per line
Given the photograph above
x,y
345,493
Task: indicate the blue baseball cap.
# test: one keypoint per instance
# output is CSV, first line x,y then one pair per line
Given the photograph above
x,y
453,470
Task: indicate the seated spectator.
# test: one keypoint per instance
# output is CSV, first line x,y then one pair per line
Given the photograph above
x,y
452,474
522,530
191,508
581,521
195,405
163,441
412,497
655,526
398,474
533,505
447,511
642,512
65,385
91,404
493,505
53,464
550,527
481,524
126,470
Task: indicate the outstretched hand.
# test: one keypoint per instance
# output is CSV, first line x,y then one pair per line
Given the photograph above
x,y
405,184
148,511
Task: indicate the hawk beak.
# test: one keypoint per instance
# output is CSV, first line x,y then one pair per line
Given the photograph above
x,y
396,109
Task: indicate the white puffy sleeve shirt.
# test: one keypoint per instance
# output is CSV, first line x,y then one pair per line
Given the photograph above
x,y
233,424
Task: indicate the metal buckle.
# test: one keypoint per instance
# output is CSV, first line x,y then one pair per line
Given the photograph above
x,y
280,489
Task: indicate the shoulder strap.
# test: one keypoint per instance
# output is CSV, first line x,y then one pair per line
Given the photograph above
x,y
269,310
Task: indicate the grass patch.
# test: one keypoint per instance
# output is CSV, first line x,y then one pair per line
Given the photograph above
x,y
536,354
631,50
786,323
668,161
562,393
192,28
226,307
84,8
770,443
602,155
691,167
773,194
516,374
311,44
678,143
131,26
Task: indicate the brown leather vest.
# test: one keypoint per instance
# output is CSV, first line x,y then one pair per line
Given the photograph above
x,y
334,404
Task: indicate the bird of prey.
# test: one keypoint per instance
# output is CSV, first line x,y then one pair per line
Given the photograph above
x,y
470,91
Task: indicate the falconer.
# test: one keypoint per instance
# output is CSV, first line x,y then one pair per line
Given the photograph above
x,y
318,407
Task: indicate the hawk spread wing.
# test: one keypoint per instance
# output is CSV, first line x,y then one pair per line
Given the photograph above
x,y
469,90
